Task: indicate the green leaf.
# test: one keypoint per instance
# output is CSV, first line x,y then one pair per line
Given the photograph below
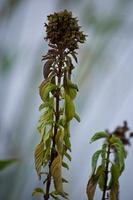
x,y
95,159
67,156
67,136
117,140
101,180
54,196
37,191
65,165
104,153
72,85
99,135
114,192
100,173
42,106
59,140
115,174
119,155
6,163
46,136
47,139
100,169
71,89
64,180
39,150
62,121
45,88
114,181
46,157
76,116
69,108
46,118
72,93
49,104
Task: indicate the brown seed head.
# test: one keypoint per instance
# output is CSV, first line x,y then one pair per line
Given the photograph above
x,y
63,30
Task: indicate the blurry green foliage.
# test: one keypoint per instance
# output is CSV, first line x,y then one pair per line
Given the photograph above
x,y
6,163
5,62
8,7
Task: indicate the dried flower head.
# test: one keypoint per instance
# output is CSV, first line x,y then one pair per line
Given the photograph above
x,y
123,132
63,30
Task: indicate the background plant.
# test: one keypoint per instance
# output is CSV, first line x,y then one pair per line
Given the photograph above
x,y
124,133
57,92
107,174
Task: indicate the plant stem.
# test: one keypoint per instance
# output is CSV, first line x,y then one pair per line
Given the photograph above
x,y
106,174
57,117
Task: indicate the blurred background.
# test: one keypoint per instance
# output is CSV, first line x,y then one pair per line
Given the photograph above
x,y
104,75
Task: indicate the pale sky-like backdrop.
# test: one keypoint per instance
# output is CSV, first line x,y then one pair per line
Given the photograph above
x,y
104,74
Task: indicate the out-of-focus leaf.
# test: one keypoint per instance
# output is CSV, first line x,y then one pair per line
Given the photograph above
x,y
65,165
76,116
71,85
67,136
101,180
64,180
95,159
59,140
46,104
70,89
46,118
99,135
115,173
37,191
6,163
54,196
72,93
92,183
117,140
91,187
119,154
69,108
114,192
67,156
57,175
45,88
46,136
